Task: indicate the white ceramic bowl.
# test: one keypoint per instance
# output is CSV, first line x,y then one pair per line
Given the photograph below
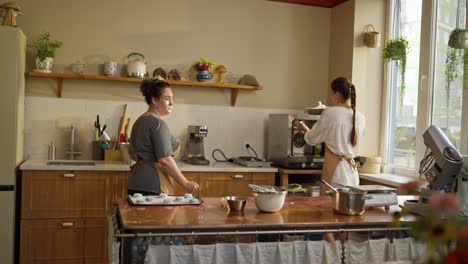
x,y
269,202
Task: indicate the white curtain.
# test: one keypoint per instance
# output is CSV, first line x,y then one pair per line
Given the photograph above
x,y
371,251
380,250
252,253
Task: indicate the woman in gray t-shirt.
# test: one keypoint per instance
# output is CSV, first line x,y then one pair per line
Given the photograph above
x,y
151,145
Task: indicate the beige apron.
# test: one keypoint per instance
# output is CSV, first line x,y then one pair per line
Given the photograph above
x,y
167,182
330,163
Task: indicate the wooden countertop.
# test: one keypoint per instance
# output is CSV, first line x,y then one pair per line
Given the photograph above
x,y
297,212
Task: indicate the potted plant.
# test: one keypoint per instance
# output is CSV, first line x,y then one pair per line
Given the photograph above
x,y
396,50
46,47
458,39
204,67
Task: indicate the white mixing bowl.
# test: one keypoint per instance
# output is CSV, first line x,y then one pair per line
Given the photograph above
x,y
269,202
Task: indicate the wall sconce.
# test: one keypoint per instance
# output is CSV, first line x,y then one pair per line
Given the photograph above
x,y
371,37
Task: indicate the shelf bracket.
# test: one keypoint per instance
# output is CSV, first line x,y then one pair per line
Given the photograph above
x,y
59,87
234,93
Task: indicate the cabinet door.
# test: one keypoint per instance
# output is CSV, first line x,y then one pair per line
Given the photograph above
x,y
66,194
225,184
64,241
120,185
263,178
191,176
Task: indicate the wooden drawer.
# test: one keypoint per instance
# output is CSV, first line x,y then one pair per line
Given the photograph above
x,y
263,178
66,194
217,184
64,241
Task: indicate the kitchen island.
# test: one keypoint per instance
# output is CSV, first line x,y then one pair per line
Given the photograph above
x,y
298,215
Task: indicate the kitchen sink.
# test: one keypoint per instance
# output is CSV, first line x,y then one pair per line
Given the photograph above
x,y
72,163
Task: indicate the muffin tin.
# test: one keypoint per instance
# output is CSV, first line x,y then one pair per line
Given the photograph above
x,y
164,199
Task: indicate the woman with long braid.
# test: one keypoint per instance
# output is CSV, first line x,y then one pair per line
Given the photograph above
x,y
341,128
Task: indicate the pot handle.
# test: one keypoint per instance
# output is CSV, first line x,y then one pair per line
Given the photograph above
x,y
136,54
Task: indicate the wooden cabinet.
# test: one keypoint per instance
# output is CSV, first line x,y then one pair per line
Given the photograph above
x,y
64,216
216,184
64,213
120,185
64,241
191,176
65,194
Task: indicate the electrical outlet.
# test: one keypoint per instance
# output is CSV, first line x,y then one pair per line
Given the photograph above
x,y
245,145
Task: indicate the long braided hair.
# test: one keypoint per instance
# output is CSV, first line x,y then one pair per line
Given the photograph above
x,y
348,91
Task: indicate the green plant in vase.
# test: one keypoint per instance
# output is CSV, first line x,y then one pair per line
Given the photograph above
x,y
46,47
204,67
396,50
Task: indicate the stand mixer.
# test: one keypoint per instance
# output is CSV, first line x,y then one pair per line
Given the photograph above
x,y
441,166
195,151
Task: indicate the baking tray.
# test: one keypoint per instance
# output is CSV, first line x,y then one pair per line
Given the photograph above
x,y
163,200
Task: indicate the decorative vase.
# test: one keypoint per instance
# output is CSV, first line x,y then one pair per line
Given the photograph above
x,y
110,68
44,65
204,76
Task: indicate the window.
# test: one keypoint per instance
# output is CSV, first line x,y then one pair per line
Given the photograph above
x,y
427,99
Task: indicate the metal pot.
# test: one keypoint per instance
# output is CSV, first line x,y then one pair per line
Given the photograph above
x,y
136,66
348,201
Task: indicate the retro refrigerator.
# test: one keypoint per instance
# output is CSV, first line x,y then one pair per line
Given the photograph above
x,y
12,69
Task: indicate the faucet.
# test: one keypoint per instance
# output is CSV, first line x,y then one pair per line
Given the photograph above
x,y
74,148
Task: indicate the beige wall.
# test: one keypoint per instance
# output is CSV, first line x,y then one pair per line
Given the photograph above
x,y
341,41
285,46
293,50
368,70
349,57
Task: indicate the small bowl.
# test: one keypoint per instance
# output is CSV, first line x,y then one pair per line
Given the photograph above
x,y
236,203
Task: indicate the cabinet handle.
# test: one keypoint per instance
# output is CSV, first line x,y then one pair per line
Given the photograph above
x,y
69,175
238,176
67,224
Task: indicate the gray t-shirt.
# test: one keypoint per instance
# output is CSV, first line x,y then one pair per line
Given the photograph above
x,y
150,141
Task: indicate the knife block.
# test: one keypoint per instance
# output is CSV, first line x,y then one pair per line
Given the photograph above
x,y
112,154
98,152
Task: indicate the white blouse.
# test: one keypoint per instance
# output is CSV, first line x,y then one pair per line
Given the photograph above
x,y
334,129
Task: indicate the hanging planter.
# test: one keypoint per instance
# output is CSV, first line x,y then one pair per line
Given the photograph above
x,y
458,39
396,50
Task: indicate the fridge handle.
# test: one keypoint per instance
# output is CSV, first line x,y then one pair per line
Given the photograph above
x,y
7,188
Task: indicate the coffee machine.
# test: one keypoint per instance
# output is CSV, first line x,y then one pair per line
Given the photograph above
x,y
194,150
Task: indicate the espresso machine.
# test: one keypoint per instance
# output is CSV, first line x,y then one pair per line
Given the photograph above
x,y
286,144
194,150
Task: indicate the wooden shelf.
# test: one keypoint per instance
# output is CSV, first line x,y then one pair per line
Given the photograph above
x,y
61,76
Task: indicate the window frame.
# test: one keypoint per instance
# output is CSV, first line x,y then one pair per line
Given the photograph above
x,y
425,86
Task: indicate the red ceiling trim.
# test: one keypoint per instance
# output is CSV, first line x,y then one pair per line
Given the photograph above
x,y
321,3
